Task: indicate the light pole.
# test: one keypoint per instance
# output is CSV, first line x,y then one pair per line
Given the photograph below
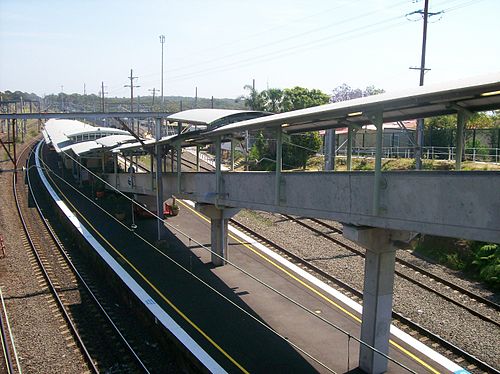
x,y
162,41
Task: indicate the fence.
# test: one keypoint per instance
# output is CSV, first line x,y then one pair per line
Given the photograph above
x,y
430,153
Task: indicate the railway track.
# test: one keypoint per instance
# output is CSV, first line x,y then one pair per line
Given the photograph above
x,y
100,342
453,352
462,297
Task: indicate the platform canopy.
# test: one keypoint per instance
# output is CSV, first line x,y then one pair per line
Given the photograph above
x,y
474,95
62,134
212,118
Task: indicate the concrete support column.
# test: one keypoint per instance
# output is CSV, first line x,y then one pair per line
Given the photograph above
x,y
377,294
218,231
377,308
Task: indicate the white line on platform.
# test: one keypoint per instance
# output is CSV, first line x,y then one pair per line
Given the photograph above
x,y
419,346
141,294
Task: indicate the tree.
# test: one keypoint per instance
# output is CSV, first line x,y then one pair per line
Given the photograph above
x,y
300,148
345,92
254,99
273,99
300,98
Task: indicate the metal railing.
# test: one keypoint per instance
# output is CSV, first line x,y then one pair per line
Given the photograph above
x,y
430,153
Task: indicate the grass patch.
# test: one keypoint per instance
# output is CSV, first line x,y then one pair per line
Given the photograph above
x,y
388,164
253,215
480,261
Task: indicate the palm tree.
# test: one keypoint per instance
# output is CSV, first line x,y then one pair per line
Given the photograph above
x,y
254,99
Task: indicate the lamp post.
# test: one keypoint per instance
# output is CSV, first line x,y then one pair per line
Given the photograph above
x,y
162,41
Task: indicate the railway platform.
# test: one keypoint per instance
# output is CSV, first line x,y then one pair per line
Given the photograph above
x,y
244,325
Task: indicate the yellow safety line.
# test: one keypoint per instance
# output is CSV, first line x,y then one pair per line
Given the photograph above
x,y
171,304
324,297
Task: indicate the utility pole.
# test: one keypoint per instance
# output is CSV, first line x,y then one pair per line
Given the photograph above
x,y
131,85
162,41
420,122
196,97
84,90
153,90
212,102
102,93
62,99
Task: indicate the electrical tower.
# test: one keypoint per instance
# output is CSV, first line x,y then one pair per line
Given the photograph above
x,y
420,122
162,41
153,90
101,94
131,85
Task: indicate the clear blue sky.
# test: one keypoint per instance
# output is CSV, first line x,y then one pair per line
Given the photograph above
x,y
219,46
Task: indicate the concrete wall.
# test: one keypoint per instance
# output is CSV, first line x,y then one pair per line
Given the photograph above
x,y
456,204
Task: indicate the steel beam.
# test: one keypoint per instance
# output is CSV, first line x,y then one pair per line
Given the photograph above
x,y
350,131
462,117
377,120
159,181
279,165
84,115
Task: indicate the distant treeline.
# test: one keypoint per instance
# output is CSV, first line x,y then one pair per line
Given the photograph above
x,y
92,102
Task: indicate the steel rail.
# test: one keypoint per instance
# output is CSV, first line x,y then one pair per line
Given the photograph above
x,y
84,283
5,345
52,288
421,330
399,273
427,273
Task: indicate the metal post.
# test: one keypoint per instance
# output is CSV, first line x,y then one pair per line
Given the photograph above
x,y
151,170
377,120
420,121
197,158
247,146
461,120
179,158
162,41
232,154
330,149
349,148
218,171
279,165
159,182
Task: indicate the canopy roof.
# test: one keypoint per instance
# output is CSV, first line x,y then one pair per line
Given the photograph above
x,y
475,94
63,133
213,117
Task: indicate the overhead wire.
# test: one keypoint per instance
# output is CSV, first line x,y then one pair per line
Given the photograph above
x,y
301,47
311,312
46,167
